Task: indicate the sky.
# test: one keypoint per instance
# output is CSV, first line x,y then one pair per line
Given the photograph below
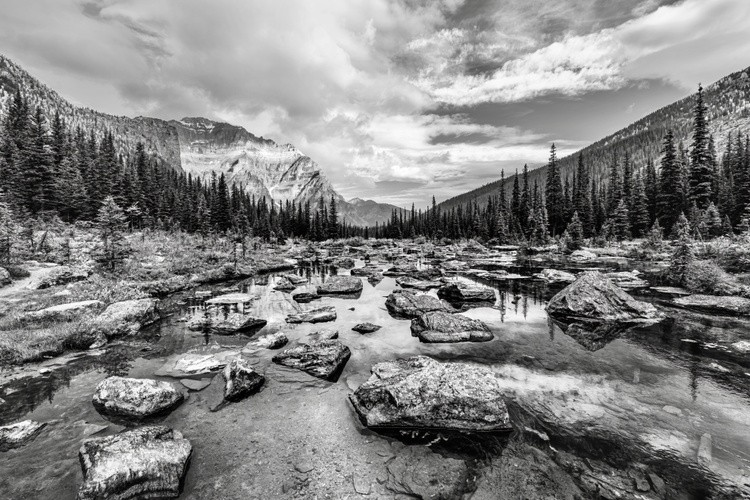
x,y
396,100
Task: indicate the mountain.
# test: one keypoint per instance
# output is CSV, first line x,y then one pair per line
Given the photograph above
x,y
728,104
200,147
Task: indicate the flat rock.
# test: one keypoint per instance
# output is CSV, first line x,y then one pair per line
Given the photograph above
x,y
196,385
18,434
592,296
241,380
231,299
366,271
582,255
305,297
400,270
126,317
134,398
409,282
269,341
324,359
439,327
422,393
670,291
343,285
715,304
65,312
628,280
224,323
462,292
196,363
366,328
147,462
320,315
555,276
295,279
407,304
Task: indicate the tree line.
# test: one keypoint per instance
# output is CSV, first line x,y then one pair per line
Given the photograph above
x,y
711,190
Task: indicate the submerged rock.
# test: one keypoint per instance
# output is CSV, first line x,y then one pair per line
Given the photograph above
x,y
421,393
439,326
406,304
418,472
715,304
323,359
126,317
134,398
366,328
325,334
305,297
196,363
221,323
18,434
320,315
241,380
594,335
148,462
461,292
340,285
270,341
592,296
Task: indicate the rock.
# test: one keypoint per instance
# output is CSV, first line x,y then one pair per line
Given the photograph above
x,y
592,296
418,472
594,335
421,393
742,346
241,380
408,282
230,299
657,484
61,275
192,363
626,279
582,255
343,285
323,359
126,317
195,385
715,304
148,462
326,334
408,305
366,328
453,266
400,270
344,262
670,291
5,278
461,292
555,276
705,450
320,315
18,434
133,398
305,297
221,323
295,279
361,486
439,326
65,312
284,285
270,341
365,271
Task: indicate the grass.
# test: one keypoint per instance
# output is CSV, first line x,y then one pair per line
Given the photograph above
x,y
34,344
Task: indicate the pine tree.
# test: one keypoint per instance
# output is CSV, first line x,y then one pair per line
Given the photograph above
x,y
38,186
333,219
652,190
8,233
670,186
555,200
621,222
639,216
701,173
575,233
111,221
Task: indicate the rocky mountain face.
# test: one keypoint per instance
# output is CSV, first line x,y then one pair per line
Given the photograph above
x,y
200,146
728,105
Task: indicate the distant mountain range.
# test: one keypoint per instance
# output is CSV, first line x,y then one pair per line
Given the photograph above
x,y
200,146
728,104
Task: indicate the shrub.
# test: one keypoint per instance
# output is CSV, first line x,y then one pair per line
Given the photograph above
x,y
705,276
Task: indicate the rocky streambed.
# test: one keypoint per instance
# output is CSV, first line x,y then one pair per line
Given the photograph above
x,y
505,402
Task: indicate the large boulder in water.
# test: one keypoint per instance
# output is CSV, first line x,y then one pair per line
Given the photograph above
x,y
439,326
421,393
462,292
408,305
148,462
220,323
323,359
134,398
241,380
126,317
340,285
592,296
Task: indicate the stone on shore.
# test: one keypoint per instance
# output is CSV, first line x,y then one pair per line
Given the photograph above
x,y
133,398
320,315
340,285
148,462
408,305
421,393
324,359
18,434
241,380
442,327
592,296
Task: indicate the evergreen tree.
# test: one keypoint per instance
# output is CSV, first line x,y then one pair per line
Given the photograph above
x,y
701,174
670,186
639,214
621,222
575,233
333,219
652,190
555,200
111,221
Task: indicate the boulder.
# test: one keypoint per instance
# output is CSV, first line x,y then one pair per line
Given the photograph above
x,y
344,262
196,363
126,317
401,270
365,271
715,304
220,323
324,359
231,299
241,380
462,292
407,305
325,334
555,276
270,341
454,266
343,285
582,255
295,279
592,296
305,297
134,398
320,315
408,282
65,312
148,462
439,326
418,472
366,328
628,280
421,393
284,285
5,278
18,434
61,275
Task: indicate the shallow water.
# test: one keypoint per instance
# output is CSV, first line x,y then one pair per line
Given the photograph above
x,y
647,395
